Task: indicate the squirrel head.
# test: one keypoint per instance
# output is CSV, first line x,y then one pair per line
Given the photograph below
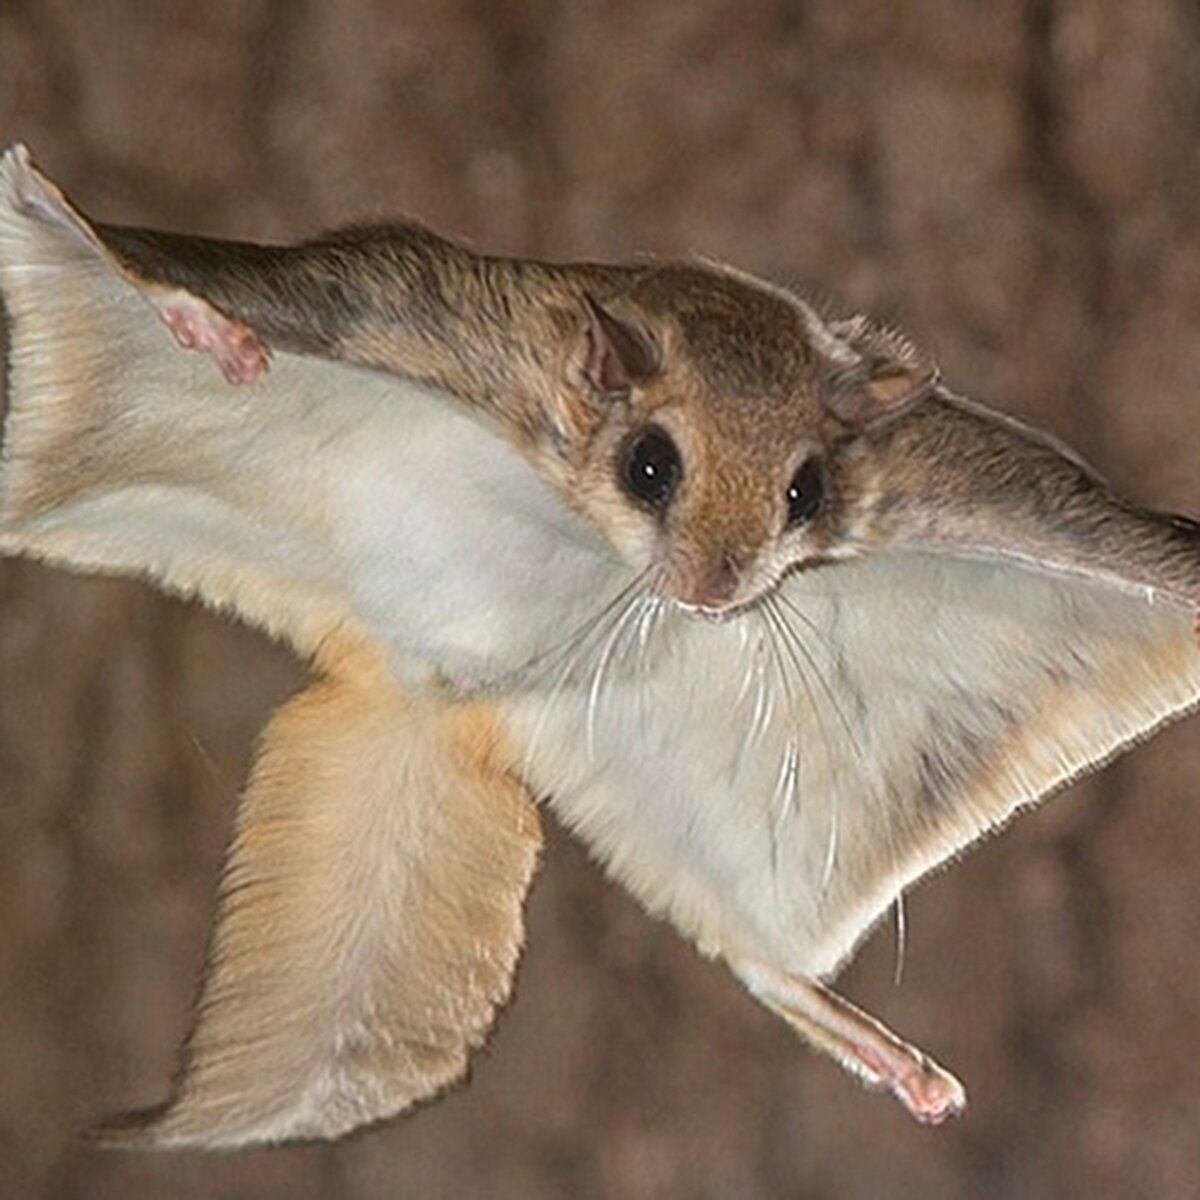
x,y
708,427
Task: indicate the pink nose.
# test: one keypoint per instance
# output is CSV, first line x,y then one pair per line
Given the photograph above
x,y
713,584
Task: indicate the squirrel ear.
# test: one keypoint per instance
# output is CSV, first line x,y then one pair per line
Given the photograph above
x,y
619,354
876,373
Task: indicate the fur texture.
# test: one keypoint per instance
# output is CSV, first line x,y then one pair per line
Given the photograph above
x,y
421,500
369,922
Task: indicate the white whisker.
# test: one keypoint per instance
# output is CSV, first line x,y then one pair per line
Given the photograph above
x,y
600,673
832,837
545,659
901,938
784,801
793,644
764,706
647,626
572,653
860,757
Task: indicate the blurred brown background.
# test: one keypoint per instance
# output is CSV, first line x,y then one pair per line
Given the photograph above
x,y
1017,183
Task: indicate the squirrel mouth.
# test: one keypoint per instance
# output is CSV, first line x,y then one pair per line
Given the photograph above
x,y
715,614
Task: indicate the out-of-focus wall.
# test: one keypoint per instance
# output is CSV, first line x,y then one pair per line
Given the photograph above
x,y
1017,184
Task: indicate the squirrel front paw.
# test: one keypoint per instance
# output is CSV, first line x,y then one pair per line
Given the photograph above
x,y
198,326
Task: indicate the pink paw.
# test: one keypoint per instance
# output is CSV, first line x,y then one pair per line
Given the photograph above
x,y
931,1094
198,326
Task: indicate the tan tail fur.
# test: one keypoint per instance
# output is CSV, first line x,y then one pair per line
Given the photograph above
x,y
369,924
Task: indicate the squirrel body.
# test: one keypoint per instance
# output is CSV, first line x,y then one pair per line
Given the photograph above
x,y
769,617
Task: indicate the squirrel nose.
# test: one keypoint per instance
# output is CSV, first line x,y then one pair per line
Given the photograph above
x,y
714,583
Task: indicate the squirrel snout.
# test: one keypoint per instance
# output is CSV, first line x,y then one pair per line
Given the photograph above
x,y
712,582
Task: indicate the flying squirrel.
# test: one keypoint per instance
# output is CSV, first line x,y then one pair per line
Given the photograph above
x,y
768,616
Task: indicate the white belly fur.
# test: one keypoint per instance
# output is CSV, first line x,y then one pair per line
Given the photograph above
x,y
323,495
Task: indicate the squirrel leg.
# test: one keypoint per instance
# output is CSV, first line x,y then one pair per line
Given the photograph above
x,y
858,1042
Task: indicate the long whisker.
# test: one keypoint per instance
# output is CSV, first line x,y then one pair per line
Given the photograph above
x,y
797,652
541,663
796,611
778,640
784,799
901,939
861,762
755,674
764,700
631,609
749,656
573,653
647,626
787,638
772,823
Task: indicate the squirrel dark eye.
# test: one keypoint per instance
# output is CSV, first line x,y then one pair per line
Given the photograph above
x,y
806,493
651,468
